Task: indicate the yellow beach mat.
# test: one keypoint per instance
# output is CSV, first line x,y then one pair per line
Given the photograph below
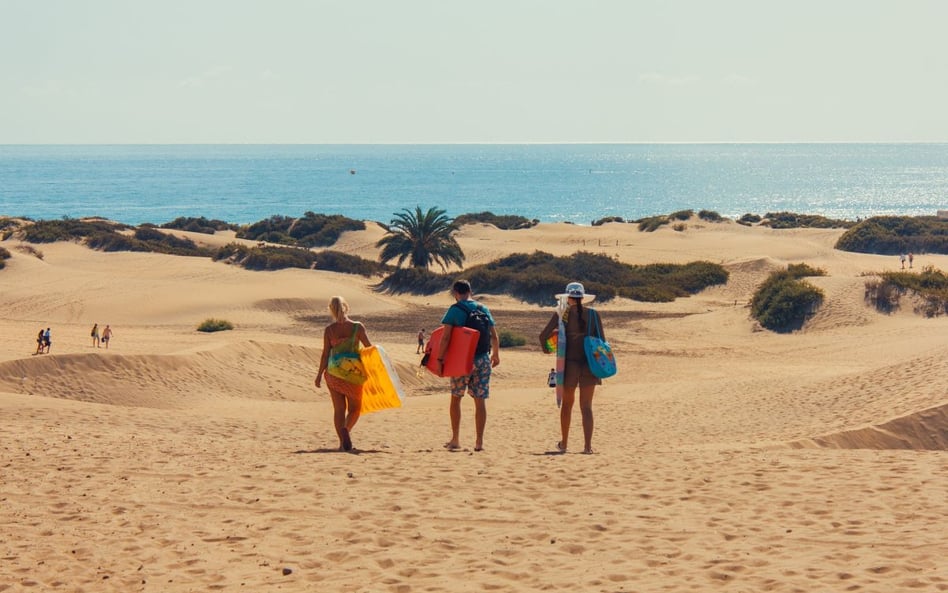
x,y
383,389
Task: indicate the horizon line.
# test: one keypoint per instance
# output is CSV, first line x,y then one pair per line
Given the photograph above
x,y
484,143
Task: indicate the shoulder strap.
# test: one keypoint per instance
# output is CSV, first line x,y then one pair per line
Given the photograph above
x,y
593,321
354,338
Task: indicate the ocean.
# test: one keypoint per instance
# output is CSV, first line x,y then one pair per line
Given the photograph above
x,y
579,183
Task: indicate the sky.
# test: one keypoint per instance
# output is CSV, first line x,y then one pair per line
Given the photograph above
x,y
490,71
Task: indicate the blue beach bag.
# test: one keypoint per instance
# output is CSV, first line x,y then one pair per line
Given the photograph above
x,y
599,355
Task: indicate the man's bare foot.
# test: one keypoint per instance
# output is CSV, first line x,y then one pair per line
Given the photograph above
x,y
561,447
451,446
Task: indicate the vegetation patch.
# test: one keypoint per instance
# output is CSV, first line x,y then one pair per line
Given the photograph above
x,y
29,250
749,219
419,281
215,325
792,220
67,229
652,223
507,222
535,278
783,302
891,235
275,257
603,221
510,339
930,287
4,255
199,225
146,239
311,230
710,216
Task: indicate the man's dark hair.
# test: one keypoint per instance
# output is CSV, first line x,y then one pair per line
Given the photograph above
x,y
462,287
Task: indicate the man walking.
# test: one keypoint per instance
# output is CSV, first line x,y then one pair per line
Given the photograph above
x,y
468,312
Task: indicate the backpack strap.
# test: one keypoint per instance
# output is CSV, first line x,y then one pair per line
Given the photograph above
x,y
467,312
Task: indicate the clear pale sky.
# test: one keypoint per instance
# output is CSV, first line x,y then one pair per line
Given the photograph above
x,y
311,71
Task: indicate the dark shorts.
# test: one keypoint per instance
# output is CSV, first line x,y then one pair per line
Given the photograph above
x,y
577,373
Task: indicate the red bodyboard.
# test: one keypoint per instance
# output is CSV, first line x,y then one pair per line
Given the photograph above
x,y
459,359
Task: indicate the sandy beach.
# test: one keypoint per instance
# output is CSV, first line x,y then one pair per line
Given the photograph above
x,y
727,457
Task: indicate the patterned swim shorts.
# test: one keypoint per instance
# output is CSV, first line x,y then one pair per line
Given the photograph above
x,y
477,383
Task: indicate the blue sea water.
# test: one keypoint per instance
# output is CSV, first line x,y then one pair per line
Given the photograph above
x,y
560,182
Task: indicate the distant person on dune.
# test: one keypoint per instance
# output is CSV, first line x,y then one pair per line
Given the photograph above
x,y
39,342
47,341
421,341
107,336
95,335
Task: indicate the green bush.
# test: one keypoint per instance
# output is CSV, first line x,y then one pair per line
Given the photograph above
x,y
146,239
749,219
652,223
274,257
681,215
510,340
931,286
67,229
415,281
603,221
4,255
792,220
311,230
536,277
199,225
784,302
337,261
710,216
215,325
891,235
504,221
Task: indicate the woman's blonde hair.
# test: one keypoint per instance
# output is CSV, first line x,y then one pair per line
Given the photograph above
x,y
338,308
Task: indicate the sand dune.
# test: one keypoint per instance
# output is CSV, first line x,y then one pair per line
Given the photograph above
x,y
728,458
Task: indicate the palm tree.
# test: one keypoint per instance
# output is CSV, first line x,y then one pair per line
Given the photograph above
x,y
422,238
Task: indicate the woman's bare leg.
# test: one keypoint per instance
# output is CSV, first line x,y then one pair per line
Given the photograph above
x,y
566,412
586,408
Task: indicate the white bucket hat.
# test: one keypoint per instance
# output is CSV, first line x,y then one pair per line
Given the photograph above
x,y
575,290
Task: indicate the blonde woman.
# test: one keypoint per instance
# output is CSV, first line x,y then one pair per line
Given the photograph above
x,y
346,397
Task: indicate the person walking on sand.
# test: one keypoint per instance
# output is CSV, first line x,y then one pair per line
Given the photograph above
x,y
342,335
95,335
576,373
902,259
911,259
421,341
486,357
39,342
47,341
107,336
